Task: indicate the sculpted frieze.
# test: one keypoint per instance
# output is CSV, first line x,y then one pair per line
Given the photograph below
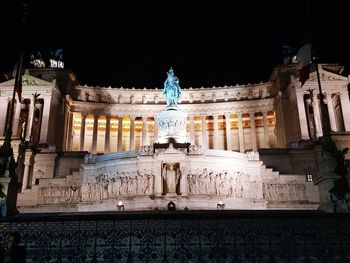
x,y
112,185
235,184
284,192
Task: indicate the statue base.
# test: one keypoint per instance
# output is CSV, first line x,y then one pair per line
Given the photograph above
x,y
172,108
171,194
171,124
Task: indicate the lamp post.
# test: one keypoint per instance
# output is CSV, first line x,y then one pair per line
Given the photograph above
x,y
120,205
220,205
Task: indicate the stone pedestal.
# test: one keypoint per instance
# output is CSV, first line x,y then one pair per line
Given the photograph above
x,y
325,178
171,124
8,196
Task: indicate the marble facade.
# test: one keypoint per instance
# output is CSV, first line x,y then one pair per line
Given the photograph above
x,y
95,144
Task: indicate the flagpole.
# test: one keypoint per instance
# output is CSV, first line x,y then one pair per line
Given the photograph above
x,y
18,79
8,133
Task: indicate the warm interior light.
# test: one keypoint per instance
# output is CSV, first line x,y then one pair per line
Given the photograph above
x,y
120,204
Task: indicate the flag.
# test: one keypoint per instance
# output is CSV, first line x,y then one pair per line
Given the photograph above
x,y
304,59
18,87
17,74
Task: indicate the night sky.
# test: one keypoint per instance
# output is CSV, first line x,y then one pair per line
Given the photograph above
x,y
107,43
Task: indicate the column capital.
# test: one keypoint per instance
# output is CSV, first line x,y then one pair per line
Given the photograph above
x,y
227,115
28,157
132,117
328,92
144,117
301,92
251,113
215,115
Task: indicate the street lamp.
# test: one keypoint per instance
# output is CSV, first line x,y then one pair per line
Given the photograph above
x,y
120,205
220,205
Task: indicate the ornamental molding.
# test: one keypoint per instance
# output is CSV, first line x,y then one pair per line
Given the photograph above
x,y
189,96
326,76
220,108
27,82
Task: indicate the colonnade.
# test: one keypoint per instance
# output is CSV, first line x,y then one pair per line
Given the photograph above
x,y
339,119
105,134
26,130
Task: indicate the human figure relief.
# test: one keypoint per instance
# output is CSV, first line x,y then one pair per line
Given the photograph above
x,y
171,174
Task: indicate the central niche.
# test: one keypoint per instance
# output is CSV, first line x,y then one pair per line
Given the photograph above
x,y
171,175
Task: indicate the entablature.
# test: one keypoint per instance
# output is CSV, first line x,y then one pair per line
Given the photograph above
x,y
222,108
188,96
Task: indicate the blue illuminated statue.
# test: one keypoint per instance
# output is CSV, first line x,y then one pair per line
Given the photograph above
x,y
171,90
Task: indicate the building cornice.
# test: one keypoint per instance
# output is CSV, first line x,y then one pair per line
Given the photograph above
x,y
114,109
188,96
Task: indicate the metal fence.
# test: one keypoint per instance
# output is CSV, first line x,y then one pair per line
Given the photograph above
x,y
182,237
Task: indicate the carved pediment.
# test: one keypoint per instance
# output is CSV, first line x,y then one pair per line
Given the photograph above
x,y
27,80
326,76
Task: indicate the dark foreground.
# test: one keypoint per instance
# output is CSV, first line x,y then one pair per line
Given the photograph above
x,y
183,236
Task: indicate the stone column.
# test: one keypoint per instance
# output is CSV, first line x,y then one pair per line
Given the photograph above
x,y
40,108
345,107
228,132
27,160
240,133
132,133
3,109
45,120
107,135
15,121
317,115
191,117
30,118
204,133
120,133
183,179
331,112
216,131
158,182
253,131
94,134
82,132
302,116
266,131
144,130
68,132
155,129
